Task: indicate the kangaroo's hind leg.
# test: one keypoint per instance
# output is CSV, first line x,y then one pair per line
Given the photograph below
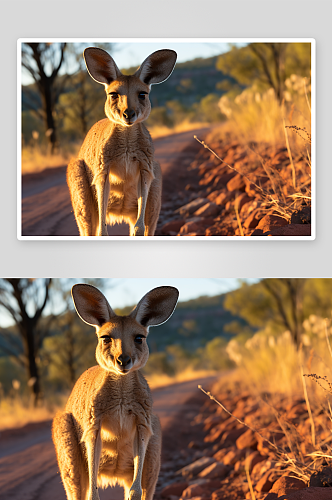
x,y
153,204
152,461
70,460
82,199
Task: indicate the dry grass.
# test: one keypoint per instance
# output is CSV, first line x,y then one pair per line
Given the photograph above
x,y
156,381
17,411
259,117
270,363
163,131
37,158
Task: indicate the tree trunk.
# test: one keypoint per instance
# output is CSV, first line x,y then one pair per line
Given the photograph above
x,y
30,353
49,110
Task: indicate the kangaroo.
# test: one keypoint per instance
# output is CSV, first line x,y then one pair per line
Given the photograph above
x,y
116,177
108,433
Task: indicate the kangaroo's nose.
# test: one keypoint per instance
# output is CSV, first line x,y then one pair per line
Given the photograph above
x,y
123,360
129,113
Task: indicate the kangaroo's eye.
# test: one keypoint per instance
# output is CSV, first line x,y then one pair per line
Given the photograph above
x,y
142,95
114,95
139,339
106,339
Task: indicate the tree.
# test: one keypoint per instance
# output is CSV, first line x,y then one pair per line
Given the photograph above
x,y
266,64
70,346
275,301
70,350
25,300
43,61
83,102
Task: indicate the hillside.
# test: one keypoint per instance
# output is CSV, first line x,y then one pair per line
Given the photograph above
x,y
193,324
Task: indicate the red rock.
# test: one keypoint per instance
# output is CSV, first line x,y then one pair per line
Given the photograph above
x,y
247,440
247,208
224,198
221,180
241,200
198,233
211,422
190,207
218,430
209,178
262,467
270,221
291,230
297,410
263,446
192,491
233,435
220,454
173,225
213,471
279,158
322,477
253,219
190,227
220,495
237,183
233,456
208,210
214,195
286,484
206,167
253,459
174,489
229,206
250,189
197,466
307,494
265,483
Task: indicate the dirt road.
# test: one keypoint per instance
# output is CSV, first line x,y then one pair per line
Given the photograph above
x,y
46,205
28,468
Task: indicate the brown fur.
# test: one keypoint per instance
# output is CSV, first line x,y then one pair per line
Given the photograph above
x,y
116,177
108,433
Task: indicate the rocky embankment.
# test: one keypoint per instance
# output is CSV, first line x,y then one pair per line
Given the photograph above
x,y
267,195
226,460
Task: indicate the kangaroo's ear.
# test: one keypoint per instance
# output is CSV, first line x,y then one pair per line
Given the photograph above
x,y
156,306
101,66
91,305
157,67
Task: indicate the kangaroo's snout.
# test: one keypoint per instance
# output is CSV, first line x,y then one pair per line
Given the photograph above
x,y
129,116
124,362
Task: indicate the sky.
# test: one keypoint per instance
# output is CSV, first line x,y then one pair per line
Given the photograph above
x,y
124,292
128,54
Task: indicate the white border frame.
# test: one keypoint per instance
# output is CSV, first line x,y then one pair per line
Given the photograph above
x,y
167,238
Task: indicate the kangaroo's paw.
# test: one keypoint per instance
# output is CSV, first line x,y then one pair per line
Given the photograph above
x,y
135,495
94,496
102,231
139,230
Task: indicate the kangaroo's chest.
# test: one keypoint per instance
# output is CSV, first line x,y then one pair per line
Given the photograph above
x,y
124,158
123,167
119,422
